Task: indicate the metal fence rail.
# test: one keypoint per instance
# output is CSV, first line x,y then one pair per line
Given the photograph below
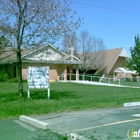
x,y
101,79
91,78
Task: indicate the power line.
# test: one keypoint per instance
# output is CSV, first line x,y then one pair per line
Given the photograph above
x,y
106,8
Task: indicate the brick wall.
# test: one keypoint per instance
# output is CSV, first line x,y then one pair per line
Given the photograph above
x,y
55,70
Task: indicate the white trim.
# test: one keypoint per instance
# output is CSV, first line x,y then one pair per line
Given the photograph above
x,y
53,61
73,56
123,53
115,61
124,70
25,55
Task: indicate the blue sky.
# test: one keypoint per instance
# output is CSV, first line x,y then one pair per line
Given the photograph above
x,y
115,21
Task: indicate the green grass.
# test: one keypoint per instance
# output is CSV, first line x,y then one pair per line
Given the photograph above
x,y
124,83
129,83
64,97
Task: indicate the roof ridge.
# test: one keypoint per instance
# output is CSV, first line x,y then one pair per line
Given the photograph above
x,y
114,48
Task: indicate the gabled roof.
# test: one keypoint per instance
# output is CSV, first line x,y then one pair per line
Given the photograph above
x,y
7,54
45,54
112,56
104,61
43,48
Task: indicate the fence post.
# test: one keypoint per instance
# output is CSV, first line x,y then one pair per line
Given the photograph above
x,y
83,77
109,80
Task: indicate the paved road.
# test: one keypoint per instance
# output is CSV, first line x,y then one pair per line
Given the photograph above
x,y
13,129
101,124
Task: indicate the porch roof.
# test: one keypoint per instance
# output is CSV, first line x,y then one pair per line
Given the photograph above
x,y
124,70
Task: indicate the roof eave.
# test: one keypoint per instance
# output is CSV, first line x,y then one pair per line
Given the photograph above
x,y
54,62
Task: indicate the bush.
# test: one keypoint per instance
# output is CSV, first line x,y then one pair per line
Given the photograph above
x,y
3,76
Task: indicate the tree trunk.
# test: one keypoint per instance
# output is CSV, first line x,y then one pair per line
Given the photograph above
x,y
19,66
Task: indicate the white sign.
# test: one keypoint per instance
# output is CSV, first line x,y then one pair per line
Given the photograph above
x,y
38,77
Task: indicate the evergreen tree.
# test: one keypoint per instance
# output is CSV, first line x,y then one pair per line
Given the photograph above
x,y
134,62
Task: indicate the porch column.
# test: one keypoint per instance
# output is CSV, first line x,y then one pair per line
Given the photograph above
x,y
65,74
114,77
77,72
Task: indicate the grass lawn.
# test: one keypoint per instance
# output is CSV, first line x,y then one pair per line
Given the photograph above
x,y
124,83
64,97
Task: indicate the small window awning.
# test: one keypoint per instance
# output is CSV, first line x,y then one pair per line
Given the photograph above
x,y
124,70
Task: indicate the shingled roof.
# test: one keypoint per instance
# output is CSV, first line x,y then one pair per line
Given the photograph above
x,y
105,61
112,56
9,55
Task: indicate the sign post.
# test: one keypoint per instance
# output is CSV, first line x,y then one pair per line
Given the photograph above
x,y
38,77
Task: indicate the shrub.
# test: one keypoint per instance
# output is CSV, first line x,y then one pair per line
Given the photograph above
x,y
3,76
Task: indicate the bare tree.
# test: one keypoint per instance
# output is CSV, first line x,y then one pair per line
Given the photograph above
x,y
3,42
34,22
4,45
91,52
70,40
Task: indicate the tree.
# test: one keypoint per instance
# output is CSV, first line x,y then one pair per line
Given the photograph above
x,y
28,23
133,63
87,47
4,45
3,42
70,40
91,51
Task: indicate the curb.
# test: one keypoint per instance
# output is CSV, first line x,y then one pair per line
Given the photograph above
x,y
34,122
132,104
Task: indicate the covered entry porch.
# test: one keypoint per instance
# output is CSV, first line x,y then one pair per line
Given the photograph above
x,y
124,73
